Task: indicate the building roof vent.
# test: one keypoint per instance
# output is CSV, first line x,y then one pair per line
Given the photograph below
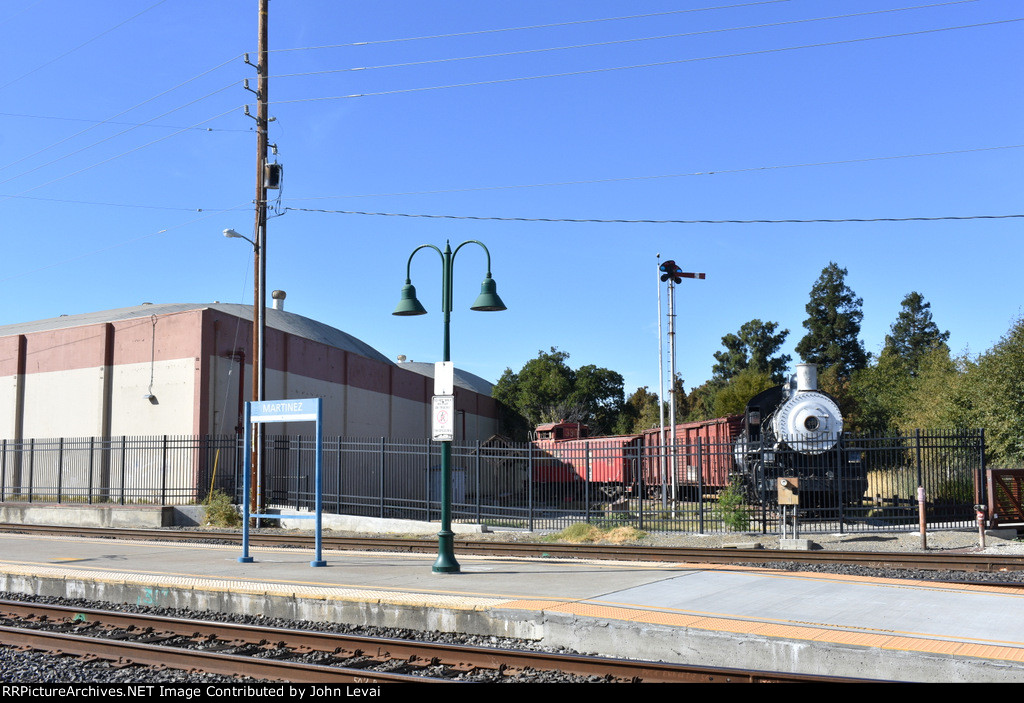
x,y
278,296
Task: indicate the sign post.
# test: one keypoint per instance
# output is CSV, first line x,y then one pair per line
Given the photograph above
x,y
297,410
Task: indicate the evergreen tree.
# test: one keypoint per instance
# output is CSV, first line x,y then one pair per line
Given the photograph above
x,y
914,333
756,347
833,325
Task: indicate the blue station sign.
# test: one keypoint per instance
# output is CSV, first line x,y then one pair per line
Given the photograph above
x,y
297,410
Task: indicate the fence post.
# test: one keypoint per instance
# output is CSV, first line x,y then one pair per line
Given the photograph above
x,y
3,470
586,483
60,468
700,484
981,487
760,486
428,503
92,452
163,471
337,483
917,466
477,482
31,465
529,484
841,469
124,451
638,481
380,481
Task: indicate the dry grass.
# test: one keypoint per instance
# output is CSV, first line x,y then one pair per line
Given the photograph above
x,y
583,532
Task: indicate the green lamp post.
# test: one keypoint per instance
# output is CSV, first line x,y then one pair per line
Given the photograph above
x,y
487,301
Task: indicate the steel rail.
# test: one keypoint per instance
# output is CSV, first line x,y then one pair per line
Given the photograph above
x,y
460,657
938,561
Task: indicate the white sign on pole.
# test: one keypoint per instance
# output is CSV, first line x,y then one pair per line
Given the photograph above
x,y
444,378
443,418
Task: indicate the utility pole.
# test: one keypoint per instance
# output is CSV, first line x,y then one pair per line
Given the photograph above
x,y
259,308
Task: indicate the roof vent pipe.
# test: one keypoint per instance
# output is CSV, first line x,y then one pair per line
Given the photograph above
x,y
807,377
278,296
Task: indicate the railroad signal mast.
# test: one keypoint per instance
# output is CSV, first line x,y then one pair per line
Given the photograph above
x,y
673,274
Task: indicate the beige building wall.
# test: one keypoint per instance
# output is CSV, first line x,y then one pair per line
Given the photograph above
x,y
93,380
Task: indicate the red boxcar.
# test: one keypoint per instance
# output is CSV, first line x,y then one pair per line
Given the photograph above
x,y
709,468
564,454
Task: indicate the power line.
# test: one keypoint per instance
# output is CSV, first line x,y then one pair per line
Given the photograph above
x,y
651,64
117,156
664,222
26,272
839,162
90,202
97,123
534,26
124,112
524,52
537,185
83,44
125,131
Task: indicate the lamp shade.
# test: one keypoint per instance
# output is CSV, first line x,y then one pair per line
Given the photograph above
x,y
409,305
488,300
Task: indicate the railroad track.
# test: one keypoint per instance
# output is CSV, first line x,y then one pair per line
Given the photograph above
x,y
284,655
938,561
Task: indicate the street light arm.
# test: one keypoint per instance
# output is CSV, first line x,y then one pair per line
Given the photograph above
x,y
408,265
484,246
232,234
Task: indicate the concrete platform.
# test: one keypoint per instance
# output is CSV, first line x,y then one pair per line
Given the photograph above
x,y
699,614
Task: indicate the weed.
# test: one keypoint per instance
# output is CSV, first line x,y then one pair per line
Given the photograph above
x,y
732,508
220,511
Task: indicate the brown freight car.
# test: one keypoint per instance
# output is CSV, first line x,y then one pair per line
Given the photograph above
x,y
703,458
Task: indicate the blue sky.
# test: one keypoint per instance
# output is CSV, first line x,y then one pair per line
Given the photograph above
x,y
126,151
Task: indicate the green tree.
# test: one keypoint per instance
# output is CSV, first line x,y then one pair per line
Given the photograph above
x,y
598,396
733,398
755,346
833,325
938,396
700,402
878,394
547,389
995,391
914,333
903,389
640,412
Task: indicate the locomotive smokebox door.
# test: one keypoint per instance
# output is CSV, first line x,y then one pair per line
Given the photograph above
x,y
789,491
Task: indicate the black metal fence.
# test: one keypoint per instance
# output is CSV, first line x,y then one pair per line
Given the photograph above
x,y
863,483
161,469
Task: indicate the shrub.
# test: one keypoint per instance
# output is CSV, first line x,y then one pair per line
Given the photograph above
x,y
732,508
220,511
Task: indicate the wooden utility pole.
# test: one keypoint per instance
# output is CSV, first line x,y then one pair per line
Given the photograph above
x,y
259,311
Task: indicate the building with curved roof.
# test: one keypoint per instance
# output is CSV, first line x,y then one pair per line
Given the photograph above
x,y
185,369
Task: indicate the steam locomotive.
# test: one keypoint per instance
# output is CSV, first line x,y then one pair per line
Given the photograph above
x,y
795,431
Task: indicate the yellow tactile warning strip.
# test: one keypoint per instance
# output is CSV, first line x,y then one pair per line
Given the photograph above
x,y
781,630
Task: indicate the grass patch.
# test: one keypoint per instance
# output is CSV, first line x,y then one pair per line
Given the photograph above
x,y
581,532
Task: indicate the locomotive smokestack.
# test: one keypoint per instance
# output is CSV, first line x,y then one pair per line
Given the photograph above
x,y
807,377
